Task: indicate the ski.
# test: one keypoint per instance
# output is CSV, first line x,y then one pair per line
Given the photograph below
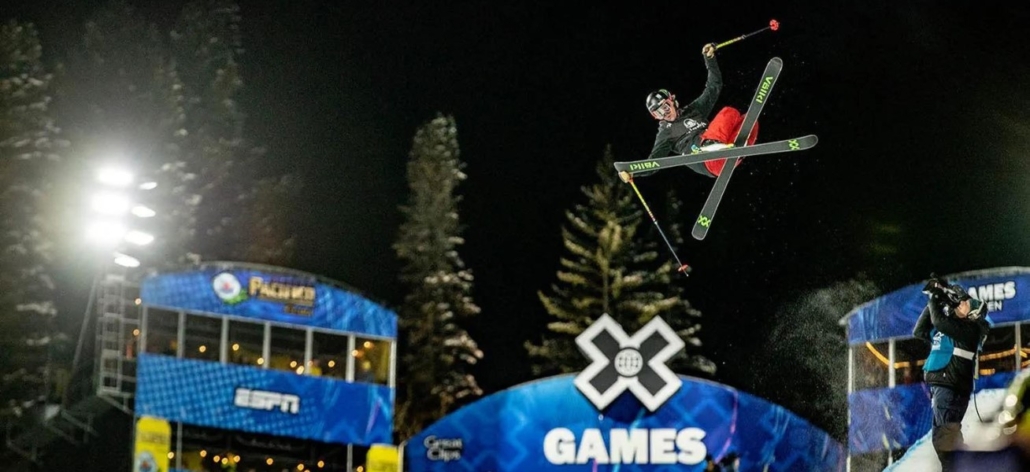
x,y
773,147
704,220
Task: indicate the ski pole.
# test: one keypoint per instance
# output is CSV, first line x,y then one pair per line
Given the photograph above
x,y
626,177
773,25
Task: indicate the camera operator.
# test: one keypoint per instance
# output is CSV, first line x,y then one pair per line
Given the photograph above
x,y
954,324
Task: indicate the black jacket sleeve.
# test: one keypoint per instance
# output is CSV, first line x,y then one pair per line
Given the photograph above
x,y
703,105
662,143
964,331
923,326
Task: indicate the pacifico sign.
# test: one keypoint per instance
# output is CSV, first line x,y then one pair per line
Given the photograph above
x,y
296,298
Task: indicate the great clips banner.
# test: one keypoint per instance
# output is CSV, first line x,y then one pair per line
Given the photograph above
x,y
263,401
266,295
548,425
1006,291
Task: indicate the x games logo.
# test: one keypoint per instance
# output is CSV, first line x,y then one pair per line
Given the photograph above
x,y
622,362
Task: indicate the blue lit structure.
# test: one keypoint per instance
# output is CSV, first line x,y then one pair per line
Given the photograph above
x,y
256,367
549,426
888,403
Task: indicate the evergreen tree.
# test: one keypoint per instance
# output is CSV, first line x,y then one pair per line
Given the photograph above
x,y
612,265
436,351
124,104
244,211
30,151
264,222
170,102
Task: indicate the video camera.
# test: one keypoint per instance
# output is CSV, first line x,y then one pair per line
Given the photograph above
x,y
949,294
952,296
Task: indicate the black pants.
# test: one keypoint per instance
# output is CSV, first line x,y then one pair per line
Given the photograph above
x,y
948,409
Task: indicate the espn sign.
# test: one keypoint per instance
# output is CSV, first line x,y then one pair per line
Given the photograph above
x,y
267,401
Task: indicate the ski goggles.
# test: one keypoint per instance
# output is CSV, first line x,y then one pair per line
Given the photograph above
x,y
977,308
662,109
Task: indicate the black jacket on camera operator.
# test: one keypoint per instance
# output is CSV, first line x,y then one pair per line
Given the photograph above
x,y
954,324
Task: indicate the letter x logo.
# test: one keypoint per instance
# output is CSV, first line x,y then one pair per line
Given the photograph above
x,y
622,362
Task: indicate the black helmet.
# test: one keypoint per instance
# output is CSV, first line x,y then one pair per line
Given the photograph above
x,y
655,99
977,308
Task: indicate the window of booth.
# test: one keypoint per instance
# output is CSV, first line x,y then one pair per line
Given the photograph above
x,y
203,337
162,330
909,357
371,361
870,364
999,351
287,351
246,343
1024,349
329,355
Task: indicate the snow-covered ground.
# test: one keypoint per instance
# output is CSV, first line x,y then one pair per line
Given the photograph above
x,y
978,436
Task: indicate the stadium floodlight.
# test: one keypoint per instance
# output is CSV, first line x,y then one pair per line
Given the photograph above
x,y
125,260
143,212
110,204
139,238
106,233
114,176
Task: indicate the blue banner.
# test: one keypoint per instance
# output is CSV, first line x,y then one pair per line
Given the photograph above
x,y
898,417
548,425
1006,291
263,401
284,297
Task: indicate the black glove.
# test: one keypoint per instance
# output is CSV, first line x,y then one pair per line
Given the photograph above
x,y
934,287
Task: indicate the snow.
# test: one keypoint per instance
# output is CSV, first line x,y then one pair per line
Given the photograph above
x,y
921,457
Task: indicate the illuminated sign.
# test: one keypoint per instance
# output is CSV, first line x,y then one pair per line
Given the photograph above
x,y
265,400
635,363
626,446
439,449
297,298
281,291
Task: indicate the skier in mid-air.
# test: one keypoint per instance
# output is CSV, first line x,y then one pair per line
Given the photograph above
x,y
683,130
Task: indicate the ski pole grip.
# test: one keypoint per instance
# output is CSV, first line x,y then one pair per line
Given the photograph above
x,y
727,43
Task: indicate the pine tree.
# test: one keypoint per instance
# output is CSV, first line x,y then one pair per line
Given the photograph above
x,y
244,212
612,265
124,104
170,102
436,351
264,223
30,152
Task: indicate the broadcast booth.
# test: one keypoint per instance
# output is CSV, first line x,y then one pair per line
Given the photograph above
x,y
230,366
888,402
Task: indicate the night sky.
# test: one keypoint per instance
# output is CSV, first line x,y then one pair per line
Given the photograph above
x,y
921,108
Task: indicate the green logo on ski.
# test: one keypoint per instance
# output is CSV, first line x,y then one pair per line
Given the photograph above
x,y
644,166
704,221
794,145
763,91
